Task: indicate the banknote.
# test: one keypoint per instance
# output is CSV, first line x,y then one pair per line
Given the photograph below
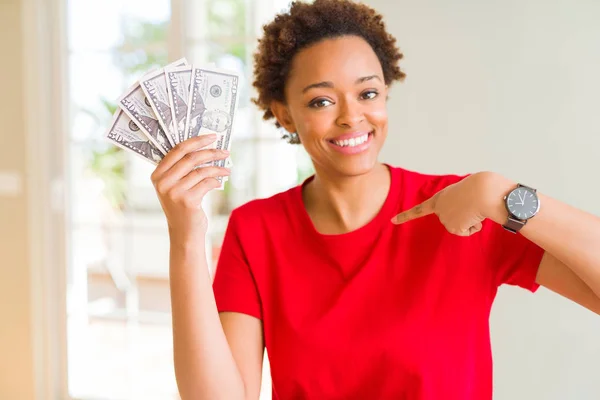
x,y
173,104
135,104
178,89
154,86
212,106
125,133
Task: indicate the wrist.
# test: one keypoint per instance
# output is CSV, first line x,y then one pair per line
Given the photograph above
x,y
494,188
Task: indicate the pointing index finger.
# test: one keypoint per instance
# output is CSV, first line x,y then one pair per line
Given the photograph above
x,y
418,211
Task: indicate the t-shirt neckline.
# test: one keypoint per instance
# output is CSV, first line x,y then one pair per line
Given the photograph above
x,y
383,216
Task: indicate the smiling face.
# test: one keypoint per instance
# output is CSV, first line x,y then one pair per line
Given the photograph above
x,y
336,102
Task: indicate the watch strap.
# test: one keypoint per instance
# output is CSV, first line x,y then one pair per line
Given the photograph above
x,y
513,225
527,187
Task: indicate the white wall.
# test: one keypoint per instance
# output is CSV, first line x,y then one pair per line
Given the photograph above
x,y
489,80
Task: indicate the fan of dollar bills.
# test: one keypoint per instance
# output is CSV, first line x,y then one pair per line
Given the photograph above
x,y
173,104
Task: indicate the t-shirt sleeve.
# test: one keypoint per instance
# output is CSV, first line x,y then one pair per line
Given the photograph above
x,y
234,285
514,259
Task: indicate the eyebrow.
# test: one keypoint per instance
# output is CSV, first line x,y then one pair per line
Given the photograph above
x,y
329,84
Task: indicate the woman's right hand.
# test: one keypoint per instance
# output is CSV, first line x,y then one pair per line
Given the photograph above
x,y
181,187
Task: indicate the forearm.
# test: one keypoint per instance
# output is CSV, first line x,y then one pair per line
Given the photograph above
x,y
204,365
569,234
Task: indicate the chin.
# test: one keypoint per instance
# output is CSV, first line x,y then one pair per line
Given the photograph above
x,y
355,160
361,166
351,165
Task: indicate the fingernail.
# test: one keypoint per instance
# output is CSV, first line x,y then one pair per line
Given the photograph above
x,y
225,151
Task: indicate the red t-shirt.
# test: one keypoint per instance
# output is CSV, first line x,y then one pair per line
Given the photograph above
x,y
382,312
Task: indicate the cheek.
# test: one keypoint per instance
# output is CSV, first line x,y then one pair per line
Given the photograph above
x,y
314,125
378,114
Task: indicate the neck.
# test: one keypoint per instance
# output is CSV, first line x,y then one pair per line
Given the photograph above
x,y
340,204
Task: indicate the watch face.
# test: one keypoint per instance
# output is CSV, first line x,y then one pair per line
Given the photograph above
x,y
523,203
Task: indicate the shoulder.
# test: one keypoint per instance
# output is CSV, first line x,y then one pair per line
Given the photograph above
x,y
263,210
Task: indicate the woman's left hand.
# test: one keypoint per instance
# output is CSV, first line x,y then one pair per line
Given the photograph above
x,y
460,207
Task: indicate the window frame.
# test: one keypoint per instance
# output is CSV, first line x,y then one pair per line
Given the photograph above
x,y
44,43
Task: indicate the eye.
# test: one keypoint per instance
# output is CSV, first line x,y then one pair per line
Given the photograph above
x,y
320,103
369,94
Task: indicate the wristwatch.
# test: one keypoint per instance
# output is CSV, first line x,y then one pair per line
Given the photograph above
x,y
522,204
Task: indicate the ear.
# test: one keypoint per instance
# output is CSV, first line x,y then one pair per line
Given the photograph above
x,y
282,114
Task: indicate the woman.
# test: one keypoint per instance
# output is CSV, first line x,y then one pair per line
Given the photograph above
x,y
367,281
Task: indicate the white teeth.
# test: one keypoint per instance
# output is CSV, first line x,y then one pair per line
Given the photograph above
x,y
352,142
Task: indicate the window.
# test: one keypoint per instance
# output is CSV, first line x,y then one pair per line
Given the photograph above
x,y
118,317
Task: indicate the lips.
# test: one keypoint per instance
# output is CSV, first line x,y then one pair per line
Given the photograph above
x,y
353,143
351,135
351,139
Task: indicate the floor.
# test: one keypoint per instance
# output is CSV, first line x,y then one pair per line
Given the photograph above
x,y
119,360
112,357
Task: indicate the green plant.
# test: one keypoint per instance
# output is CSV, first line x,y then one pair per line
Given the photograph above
x,y
108,164
144,47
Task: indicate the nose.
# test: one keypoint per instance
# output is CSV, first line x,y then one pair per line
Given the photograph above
x,y
350,113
